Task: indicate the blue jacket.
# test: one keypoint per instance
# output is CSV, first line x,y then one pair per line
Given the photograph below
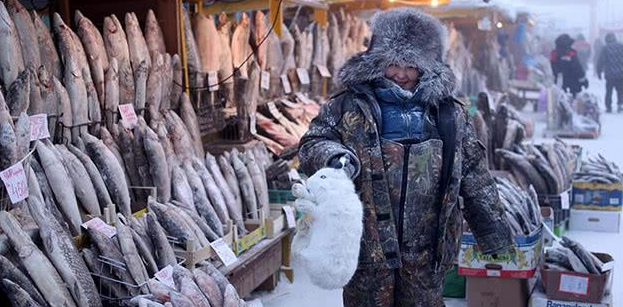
x,y
402,112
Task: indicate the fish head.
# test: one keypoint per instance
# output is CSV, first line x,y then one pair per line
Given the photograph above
x,y
109,25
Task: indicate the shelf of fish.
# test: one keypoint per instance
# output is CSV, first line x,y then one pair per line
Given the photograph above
x,y
571,273
524,217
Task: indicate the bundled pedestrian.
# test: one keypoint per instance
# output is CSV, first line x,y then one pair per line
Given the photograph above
x,y
565,62
610,65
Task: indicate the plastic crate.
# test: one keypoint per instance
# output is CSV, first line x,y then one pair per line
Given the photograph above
x,y
277,196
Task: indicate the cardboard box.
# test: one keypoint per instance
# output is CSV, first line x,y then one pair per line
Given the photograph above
x,y
522,264
592,220
539,299
493,292
579,287
597,196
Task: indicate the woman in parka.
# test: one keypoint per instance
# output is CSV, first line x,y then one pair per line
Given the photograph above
x,y
412,152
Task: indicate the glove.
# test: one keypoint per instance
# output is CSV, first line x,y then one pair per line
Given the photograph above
x,y
343,162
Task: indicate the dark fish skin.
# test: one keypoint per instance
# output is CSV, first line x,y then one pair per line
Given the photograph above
x,y
18,94
96,178
172,222
219,278
523,165
209,287
145,252
158,168
17,295
163,251
108,248
202,203
9,271
116,289
582,253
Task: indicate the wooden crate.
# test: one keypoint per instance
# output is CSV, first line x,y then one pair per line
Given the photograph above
x,y
192,257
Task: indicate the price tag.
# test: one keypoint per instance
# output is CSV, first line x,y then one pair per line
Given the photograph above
x,y
253,124
324,71
290,220
302,98
213,81
14,179
265,80
128,115
101,226
39,127
573,284
287,88
303,75
564,200
272,108
289,103
224,252
165,276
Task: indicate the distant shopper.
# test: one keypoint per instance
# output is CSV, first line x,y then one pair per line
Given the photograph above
x,y
610,64
565,62
411,150
584,49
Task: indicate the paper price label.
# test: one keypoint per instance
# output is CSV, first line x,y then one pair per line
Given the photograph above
x,y
15,182
165,276
290,220
128,115
303,75
573,284
101,226
324,71
289,103
224,252
287,87
253,124
213,81
265,80
39,127
564,200
272,108
302,98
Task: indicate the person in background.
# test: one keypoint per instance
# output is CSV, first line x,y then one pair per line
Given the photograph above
x,y
564,60
583,47
610,64
411,150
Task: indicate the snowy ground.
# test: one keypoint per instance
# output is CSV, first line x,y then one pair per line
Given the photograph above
x,y
302,293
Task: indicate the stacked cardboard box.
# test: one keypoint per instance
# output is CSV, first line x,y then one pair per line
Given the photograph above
x,y
596,206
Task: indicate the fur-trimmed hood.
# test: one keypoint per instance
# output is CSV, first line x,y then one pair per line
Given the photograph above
x,y
405,37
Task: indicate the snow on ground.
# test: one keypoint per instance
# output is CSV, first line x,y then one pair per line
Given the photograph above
x,y
302,293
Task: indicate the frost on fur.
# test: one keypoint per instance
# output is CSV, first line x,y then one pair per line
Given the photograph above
x,y
329,246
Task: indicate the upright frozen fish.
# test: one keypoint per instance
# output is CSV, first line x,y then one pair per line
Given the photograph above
x,y
96,178
96,52
117,47
206,37
27,33
47,50
195,70
189,117
35,105
153,36
136,42
11,60
85,191
240,48
18,94
158,167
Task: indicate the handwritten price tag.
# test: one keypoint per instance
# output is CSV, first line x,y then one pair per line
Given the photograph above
x,y
128,115
101,226
324,71
213,81
265,80
39,127
303,75
14,179
290,220
224,252
165,276
287,87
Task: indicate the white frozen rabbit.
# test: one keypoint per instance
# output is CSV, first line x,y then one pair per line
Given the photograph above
x,y
329,247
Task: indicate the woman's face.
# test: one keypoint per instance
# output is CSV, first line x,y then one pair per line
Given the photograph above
x,y
406,77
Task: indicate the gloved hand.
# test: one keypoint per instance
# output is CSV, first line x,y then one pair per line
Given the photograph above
x,y
343,162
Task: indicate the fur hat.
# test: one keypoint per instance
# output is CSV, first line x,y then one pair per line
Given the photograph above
x,y
404,37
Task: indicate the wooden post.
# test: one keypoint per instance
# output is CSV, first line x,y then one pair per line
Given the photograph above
x,y
286,262
276,13
321,17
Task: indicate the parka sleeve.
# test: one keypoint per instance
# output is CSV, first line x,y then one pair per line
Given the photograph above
x,y
323,140
482,207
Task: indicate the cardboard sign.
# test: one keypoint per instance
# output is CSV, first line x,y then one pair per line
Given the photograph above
x,y
101,226
253,124
303,75
287,87
265,80
224,252
573,284
128,115
39,127
213,81
290,219
165,276
14,179
324,71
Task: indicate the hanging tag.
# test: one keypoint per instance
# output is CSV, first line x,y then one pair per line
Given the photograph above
x,y
324,71
39,127
289,103
564,200
302,98
165,276
290,220
253,124
224,252
265,80
14,179
128,116
101,226
273,108
213,81
287,88
303,75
